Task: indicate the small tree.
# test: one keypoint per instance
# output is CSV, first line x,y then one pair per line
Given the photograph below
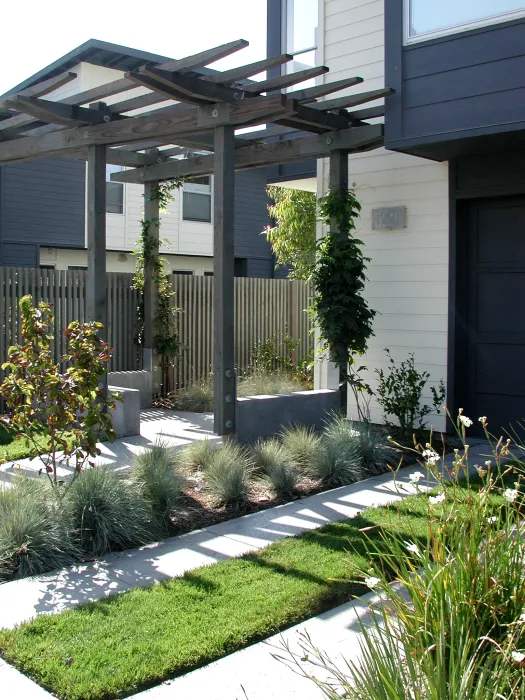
x,y
65,410
293,236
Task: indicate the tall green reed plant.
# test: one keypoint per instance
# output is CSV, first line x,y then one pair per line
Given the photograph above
x,y
449,619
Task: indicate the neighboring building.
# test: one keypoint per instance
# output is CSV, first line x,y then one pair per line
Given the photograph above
x,y
448,286
42,203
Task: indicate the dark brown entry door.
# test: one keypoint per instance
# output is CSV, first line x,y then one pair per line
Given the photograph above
x,y
495,318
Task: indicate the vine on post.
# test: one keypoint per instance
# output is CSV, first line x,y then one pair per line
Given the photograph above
x,y
166,342
343,315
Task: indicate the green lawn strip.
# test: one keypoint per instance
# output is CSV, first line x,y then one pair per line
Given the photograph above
x,y
121,644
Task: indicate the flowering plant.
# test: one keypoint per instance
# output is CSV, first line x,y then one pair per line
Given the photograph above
x,y
448,621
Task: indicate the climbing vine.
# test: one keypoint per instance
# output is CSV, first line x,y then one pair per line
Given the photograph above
x,y
166,342
342,314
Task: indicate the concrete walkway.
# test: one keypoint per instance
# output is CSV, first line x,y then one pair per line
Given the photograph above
x,y
176,429
253,668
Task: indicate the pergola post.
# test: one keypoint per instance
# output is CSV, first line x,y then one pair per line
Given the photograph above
x,y
96,296
151,219
223,282
338,183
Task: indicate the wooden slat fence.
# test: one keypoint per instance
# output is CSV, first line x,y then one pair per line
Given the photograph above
x,y
264,308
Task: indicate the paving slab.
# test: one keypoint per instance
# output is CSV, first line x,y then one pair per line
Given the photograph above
x,y
15,685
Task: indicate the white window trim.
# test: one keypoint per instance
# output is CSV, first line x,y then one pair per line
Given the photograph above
x,y
456,29
204,189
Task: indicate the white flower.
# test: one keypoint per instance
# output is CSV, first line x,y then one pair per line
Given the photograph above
x,y
467,422
430,456
483,420
522,617
434,500
492,519
518,657
488,464
372,581
510,495
415,477
411,547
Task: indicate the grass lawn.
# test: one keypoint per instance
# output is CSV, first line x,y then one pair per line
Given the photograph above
x,y
119,645
11,449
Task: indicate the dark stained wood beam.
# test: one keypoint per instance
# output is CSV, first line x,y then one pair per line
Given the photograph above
x,y
307,119
311,94
367,113
139,102
263,154
352,100
198,60
189,89
284,81
261,134
58,113
42,88
230,76
96,303
192,121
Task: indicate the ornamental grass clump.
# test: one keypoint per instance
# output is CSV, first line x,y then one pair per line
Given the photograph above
x,y
33,536
156,476
301,446
198,455
272,463
376,455
106,513
449,622
338,461
228,474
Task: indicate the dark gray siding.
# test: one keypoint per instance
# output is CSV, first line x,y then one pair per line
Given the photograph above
x,y
41,203
459,87
251,218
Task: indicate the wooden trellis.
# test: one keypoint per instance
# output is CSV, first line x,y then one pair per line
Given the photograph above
x,y
207,108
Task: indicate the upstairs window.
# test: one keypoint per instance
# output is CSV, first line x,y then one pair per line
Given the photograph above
x,y
300,37
114,191
196,199
426,20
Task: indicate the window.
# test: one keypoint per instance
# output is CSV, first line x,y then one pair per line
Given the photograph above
x,y
47,267
208,273
424,19
77,267
300,33
114,191
183,272
196,199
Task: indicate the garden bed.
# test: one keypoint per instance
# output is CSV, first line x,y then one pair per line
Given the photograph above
x,y
181,624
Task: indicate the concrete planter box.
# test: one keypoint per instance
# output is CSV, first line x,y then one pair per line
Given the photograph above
x,y
126,414
265,416
138,379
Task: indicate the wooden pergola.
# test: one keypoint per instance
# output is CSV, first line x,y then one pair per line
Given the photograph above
x,y
157,145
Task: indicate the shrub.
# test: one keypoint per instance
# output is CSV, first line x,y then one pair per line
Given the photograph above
x,y
400,392
156,476
338,462
301,445
65,409
198,455
33,536
106,513
376,455
454,625
228,475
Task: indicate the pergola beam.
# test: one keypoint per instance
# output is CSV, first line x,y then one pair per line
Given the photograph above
x,y
287,80
230,76
311,94
42,88
263,154
352,100
258,110
57,113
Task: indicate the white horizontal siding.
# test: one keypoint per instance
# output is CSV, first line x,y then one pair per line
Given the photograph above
x,y
408,269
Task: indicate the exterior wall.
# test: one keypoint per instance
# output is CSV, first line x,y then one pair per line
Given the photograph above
x,y
453,87
408,272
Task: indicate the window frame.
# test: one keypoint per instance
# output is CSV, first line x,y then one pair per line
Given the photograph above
x,y
118,169
455,29
198,188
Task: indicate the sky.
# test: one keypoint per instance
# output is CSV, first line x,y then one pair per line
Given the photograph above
x,y
36,33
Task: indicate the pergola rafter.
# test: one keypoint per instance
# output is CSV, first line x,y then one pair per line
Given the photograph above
x,y
207,107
